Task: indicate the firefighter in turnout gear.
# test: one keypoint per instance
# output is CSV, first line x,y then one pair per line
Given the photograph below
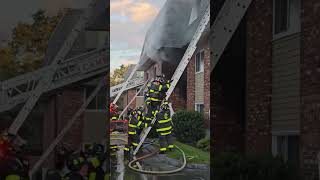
x,y
78,168
95,159
114,114
13,164
140,117
164,128
133,137
155,95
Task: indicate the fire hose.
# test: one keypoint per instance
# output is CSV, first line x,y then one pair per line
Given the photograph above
x,y
158,172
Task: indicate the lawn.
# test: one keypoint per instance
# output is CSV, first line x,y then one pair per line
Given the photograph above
x,y
193,155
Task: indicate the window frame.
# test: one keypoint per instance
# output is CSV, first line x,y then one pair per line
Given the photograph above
x,y
275,147
141,92
202,60
199,104
293,19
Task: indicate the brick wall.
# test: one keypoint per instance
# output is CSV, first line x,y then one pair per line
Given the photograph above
x,y
191,82
207,72
131,93
310,88
259,77
69,102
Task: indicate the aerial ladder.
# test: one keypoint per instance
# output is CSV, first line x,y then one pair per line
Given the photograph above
x,y
222,30
61,72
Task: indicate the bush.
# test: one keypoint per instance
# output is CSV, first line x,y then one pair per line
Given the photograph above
x,y
204,144
188,126
231,166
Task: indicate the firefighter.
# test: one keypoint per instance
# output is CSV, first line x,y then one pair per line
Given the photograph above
x,y
134,124
114,114
164,128
165,85
78,168
13,164
95,159
62,152
140,117
153,100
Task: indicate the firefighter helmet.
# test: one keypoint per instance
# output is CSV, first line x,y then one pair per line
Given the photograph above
x,y
75,162
129,111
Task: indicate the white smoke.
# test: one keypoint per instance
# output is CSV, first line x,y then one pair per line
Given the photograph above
x,y
172,30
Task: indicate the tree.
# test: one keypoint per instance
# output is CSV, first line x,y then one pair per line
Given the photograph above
x,y
117,76
26,50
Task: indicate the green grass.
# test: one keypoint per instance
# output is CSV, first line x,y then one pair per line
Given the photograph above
x,y
193,155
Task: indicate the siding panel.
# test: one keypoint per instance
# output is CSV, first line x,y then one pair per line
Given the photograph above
x,y
199,87
286,84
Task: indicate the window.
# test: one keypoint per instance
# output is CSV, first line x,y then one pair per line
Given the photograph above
x,y
99,102
286,17
199,108
286,147
141,92
200,61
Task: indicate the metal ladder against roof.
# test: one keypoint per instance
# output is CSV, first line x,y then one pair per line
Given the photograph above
x,y
181,67
17,90
225,25
46,80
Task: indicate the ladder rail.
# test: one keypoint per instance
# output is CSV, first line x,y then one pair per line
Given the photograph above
x,y
47,78
142,88
66,128
69,71
181,67
125,84
131,84
225,25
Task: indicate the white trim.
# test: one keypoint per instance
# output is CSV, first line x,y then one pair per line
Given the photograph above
x,y
285,133
195,106
195,61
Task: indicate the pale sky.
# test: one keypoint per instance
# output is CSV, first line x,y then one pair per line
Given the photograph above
x,y
129,22
14,11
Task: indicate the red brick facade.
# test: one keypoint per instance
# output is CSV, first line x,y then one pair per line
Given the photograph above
x,y
259,77
61,109
310,88
191,82
257,132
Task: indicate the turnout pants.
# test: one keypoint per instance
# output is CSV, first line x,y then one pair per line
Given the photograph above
x,y
133,140
153,109
166,142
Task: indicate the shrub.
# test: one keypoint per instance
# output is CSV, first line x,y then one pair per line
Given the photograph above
x,y
188,126
231,166
204,144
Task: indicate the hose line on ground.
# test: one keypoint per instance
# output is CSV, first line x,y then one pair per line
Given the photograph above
x,y
159,172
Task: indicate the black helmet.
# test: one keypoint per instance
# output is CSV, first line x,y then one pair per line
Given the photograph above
x,y
97,149
129,111
75,162
140,108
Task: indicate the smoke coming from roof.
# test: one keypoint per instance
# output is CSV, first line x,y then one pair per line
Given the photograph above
x,y
172,30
